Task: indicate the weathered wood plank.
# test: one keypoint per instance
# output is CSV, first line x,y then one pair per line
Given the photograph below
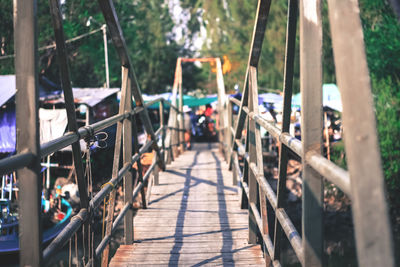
x,y
193,218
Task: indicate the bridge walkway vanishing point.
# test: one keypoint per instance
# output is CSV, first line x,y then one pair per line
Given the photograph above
x,y
193,218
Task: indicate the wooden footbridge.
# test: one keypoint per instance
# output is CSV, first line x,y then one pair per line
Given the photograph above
x,y
193,211
193,217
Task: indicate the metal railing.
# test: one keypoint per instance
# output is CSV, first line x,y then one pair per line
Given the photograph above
x,y
363,182
29,152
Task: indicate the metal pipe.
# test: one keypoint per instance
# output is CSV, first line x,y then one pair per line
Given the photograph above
x,y
58,144
265,237
234,101
83,132
104,29
291,233
292,143
63,237
98,198
73,226
107,238
267,189
15,162
159,99
330,171
158,132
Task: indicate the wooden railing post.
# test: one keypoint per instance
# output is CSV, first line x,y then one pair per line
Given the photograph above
x,y
27,95
311,128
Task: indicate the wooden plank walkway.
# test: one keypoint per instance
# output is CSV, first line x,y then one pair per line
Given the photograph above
x,y
193,218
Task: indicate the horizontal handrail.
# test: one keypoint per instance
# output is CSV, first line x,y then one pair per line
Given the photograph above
x,y
234,101
62,238
287,225
265,237
18,161
107,238
176,129
323,166
15,162
84,132
95,202
156,100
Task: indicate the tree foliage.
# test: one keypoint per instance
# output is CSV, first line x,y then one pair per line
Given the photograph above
x,y
382,40
147,27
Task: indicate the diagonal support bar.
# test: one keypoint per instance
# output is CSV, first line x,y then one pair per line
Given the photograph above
x,y
110,15
254,57
69,98
287,108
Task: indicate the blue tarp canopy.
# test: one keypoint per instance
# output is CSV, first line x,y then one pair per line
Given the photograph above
x,y
270,98
7,131
330,97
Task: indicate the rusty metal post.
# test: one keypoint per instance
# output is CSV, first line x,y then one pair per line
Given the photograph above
x,y
127,157
228,136
27,94
287,103
311,128
156,176
222,115
252,143
69,99
116,160
181,117
110,16
260,25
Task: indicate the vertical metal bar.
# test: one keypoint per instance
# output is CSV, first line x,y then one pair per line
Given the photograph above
x,y
104,29
244,202
172,122
156,180
181,117
27,94
287,104
253,105
370,215
252,143
222,111
139,164
127,158
229,138
311,128
69,98
117,155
